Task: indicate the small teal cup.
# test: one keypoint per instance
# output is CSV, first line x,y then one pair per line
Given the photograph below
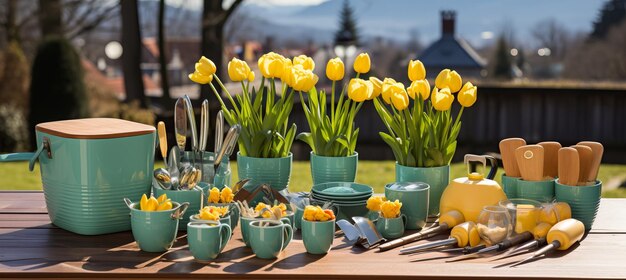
x,y
318,236
207,239
583,200
509,184
223,220
297,218
268,238
391,228
437,178
192,197
542,191
245,227
155,231
415,203
333,169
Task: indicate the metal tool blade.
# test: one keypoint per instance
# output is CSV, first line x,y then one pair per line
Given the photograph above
x,y
229,143
351,233
180,124
368,230
524,248
546,249
219,130
204,125
430,245
424,234
192,123
450,253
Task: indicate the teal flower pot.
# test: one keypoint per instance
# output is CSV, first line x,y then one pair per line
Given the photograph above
x,y
193,197
207,239
437,178
273,171
583,200
333,169
155,231
391,228
318,236
415,204
509,185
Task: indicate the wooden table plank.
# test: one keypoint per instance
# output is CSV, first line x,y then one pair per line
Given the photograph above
x,y
47,251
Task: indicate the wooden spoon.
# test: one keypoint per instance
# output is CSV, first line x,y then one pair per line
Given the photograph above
x,y
507,150
530,162
569,166
550,158
585,155
597,150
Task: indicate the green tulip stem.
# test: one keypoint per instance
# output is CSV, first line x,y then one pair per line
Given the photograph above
x,y
217,94
332,103
227,94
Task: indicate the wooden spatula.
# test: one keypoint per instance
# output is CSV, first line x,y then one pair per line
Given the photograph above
x,y
585,155
550,158
507,150
569,166
597,150
530,162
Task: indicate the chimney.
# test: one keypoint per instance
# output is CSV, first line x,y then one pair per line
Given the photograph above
x,y
447,22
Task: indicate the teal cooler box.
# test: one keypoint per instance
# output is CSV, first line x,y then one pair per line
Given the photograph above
x,y
88,166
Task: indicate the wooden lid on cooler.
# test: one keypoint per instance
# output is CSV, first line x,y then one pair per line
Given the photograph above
x,y
94,128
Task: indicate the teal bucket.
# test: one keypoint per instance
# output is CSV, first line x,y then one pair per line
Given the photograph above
x,y
583,200
333,169
155,231
194,197
437,178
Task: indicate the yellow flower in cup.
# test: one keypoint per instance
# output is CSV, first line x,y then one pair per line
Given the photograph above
x,y
238,70
165,205
306,62
442,99
208,213
360,90
390,209
419,88
214,195
362,63
316,213
467,95
374,202
162,198
416,70
226,195
335,69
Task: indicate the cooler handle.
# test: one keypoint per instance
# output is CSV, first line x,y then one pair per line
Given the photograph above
x,y
30,157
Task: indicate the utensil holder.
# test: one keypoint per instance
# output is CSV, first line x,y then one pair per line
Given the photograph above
x,y
205,162
542,191
509,185
583,200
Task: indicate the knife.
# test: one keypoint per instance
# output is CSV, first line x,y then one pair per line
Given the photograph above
x,y
524,248
499,247
180,124
219,130
229,143
204,125
192,123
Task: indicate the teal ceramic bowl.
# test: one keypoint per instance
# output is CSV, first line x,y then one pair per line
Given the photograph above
x,y
193,197
437,178
269,238
341,198
391,228
415,203
333,169
273,171
583,200
207,239
318,236
542,191
509,185
245,227
342,189
155,231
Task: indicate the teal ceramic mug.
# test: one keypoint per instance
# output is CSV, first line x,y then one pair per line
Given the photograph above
x,y
207,239
391,228
583,200
297,218
542,191
155,231
415,202
318,236
245,227
268,238
223,220
509,185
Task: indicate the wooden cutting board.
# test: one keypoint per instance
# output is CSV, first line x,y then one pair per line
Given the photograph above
x,y
507,151
530,162
550,158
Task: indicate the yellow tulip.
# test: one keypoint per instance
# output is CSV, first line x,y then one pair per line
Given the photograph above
x,y
214,195
362,63
467,95
377,85
238,70
442,78
251,76
335,69
205,66
152,204
400,100
165,205
162,198
455,82
449,79
301,79
416,70
419,87
390,209
143,203
442,99
306,62
208,213
374,202
360,90
197,77
386,89
227,195
272,65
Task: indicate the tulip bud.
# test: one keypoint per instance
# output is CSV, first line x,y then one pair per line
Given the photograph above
x,y
442,78
162,198
205,66
362,63
449,79
238,70
421,87
416,70
360,90
335,69
377,86
400,100
306,62
442,99
197,77
143,203
251,76
467,95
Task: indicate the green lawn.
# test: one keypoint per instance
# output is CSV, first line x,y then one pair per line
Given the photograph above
x,y
15,175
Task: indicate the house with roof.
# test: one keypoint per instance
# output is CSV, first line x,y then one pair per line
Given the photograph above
x,y
451,52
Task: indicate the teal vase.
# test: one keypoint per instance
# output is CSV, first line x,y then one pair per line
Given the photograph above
x,y
333,169
273,171
436,177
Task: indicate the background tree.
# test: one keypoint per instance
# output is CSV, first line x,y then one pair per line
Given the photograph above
x,y
502,60
348,32
612,14
553,35
162,51
131,57
50,18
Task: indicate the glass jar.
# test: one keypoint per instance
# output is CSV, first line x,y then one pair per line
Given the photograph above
x,y
524,213
494,224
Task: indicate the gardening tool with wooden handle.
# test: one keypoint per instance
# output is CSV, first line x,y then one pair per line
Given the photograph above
x,y
465,234
550,158
569,166
507,151
530,162
446,221
560,237
585,155
497,248
162,141
597,150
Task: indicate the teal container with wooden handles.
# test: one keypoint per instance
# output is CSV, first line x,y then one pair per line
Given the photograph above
x,y
88,166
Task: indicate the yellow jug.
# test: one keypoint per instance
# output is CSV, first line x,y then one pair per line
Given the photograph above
x,y
470,194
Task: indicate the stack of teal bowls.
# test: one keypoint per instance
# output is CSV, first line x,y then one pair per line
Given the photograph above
x,y
348,199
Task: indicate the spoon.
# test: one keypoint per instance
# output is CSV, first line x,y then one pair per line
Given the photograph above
x,y
189,178
174,160
163,178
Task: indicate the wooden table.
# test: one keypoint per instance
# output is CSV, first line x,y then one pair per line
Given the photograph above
x,y
32,247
